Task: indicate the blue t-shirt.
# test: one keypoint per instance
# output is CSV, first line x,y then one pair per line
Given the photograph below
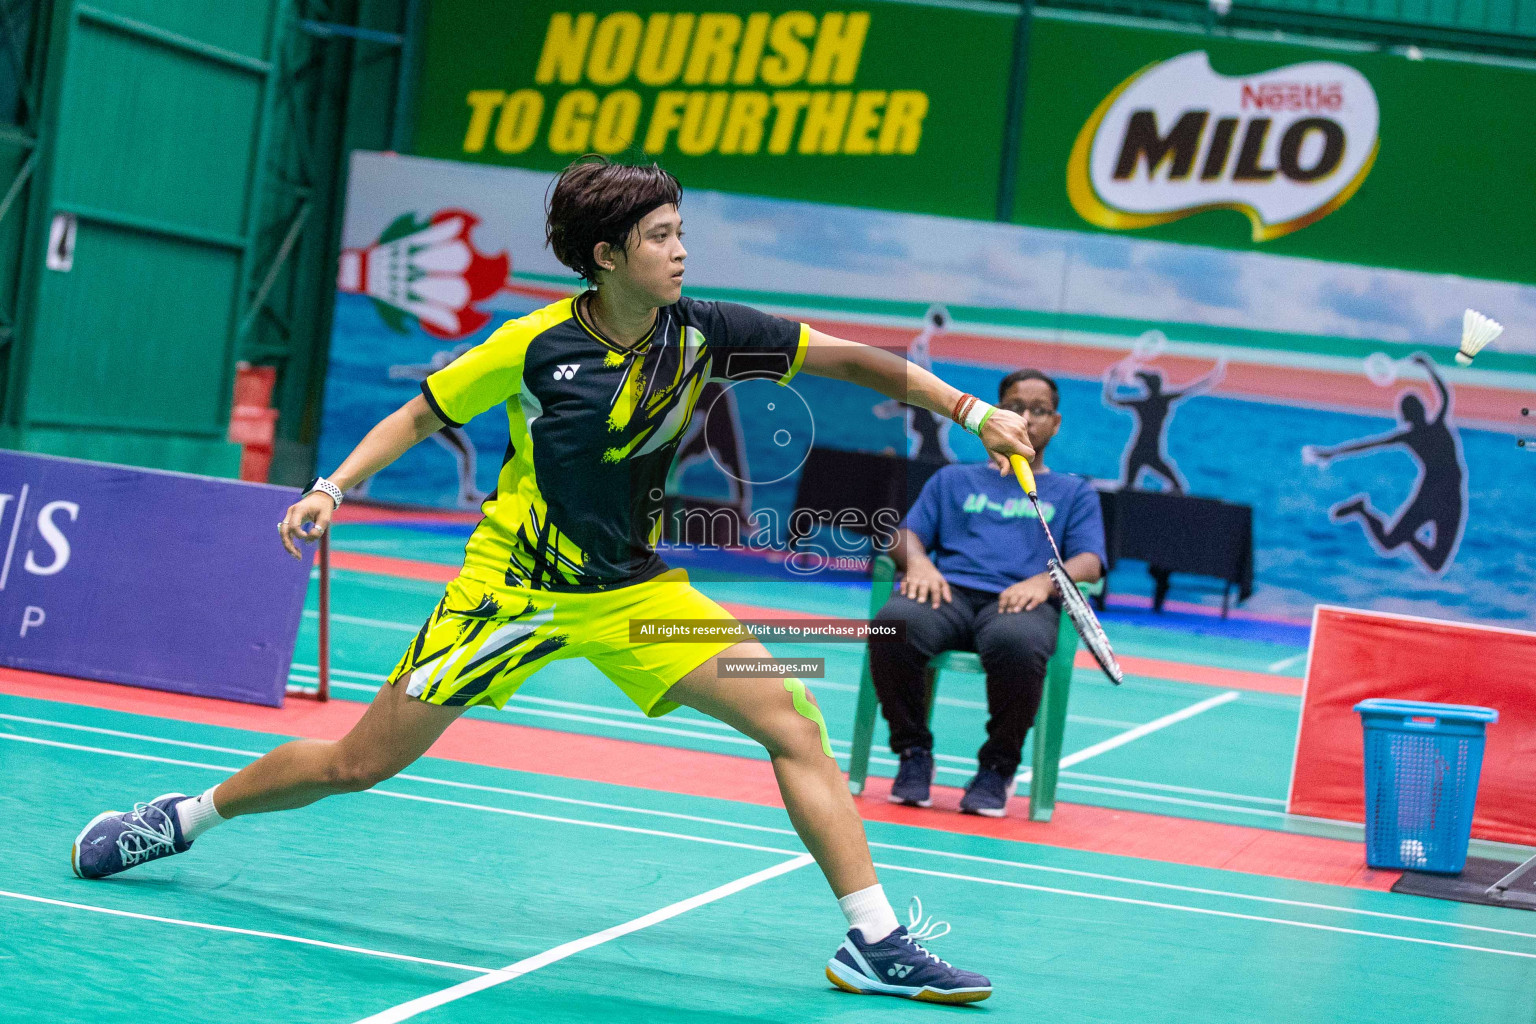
x,y
980,528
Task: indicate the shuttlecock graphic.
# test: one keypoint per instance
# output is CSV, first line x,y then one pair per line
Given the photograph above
x,y
1149,346
430,271
1380,369
1476,331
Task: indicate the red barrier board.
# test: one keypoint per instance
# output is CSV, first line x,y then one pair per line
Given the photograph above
x,y
1357,654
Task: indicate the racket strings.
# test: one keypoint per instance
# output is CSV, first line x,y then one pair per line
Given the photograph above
x,y
1048,535
1077,607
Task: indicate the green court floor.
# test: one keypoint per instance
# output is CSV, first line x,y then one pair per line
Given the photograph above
x,y
344,911
1229,762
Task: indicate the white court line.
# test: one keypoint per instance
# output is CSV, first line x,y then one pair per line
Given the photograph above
x,y
116,753
975,858
1178,800
252,753
416,628
1285,663
636,830
363,578
1104,746
100,731
300,675
358,620
1204,910
1024,775
405,1011
515,707
419,799
736,740
279,936
1130,736
1167,787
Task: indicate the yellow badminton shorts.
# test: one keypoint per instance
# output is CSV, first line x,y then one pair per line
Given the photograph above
x,y
483,641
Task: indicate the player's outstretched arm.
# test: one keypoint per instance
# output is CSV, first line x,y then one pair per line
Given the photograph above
x,y
1439,382
1110,397
1315,455
395,434
1004,432
1209,381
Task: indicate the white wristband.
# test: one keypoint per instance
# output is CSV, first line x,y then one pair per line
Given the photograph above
x,y
976,415
327,488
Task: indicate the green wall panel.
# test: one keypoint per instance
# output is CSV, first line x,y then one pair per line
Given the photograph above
x,y
159,451
137,335
171,139
240,26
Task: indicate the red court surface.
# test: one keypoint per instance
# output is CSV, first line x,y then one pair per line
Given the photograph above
x,y
1154,668
668,769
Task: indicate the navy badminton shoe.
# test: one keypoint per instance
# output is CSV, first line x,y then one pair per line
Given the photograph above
x,y
118,840
898,965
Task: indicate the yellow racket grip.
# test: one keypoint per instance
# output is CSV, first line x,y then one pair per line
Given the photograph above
x,y
1024,473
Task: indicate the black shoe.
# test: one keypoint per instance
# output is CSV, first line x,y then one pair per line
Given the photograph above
x,y
914,778
987,794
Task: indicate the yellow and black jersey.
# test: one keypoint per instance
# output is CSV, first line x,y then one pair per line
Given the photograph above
x,y
594,426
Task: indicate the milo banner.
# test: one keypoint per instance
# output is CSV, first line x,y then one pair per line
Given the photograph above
x,y
1324,395
1363,157
889,104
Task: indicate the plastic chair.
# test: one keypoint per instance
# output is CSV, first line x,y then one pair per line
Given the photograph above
x,y
1050,720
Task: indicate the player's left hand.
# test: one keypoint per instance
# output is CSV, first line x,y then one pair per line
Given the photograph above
x,y
1026,595
1006,433
305,520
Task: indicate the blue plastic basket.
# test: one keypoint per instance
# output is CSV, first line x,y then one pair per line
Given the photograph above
x,y
1421,767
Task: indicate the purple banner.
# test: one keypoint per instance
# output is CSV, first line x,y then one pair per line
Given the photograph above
x,y
162,580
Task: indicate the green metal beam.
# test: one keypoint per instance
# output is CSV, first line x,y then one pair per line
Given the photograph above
x,y
173,40
17,184
1304,18
10,135
290,239
153,226
402,121
1013,123
97,423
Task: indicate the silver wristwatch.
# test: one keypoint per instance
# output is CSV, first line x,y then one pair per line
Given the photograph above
x,y
323,485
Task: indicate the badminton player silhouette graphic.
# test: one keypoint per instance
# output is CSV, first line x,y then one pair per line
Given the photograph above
x,y
1430,523
927,434
454,440
1153,409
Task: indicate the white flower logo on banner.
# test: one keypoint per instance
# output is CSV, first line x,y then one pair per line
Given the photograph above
x,y
431,272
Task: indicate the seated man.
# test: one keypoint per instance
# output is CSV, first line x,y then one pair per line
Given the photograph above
x,y
984,589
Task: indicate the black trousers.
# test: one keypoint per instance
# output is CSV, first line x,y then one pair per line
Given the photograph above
x,y
1014,648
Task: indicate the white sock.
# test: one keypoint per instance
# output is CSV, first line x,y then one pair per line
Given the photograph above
x,y
870,912
198,815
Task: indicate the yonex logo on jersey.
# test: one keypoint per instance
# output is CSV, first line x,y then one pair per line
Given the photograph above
x,y
565,371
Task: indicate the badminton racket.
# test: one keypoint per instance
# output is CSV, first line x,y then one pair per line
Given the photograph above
x,y
1072,599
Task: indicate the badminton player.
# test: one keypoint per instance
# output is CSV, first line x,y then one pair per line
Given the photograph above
x,y
597,390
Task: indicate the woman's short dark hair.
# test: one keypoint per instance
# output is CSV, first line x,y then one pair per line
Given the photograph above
x,y
595,200
1029,374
